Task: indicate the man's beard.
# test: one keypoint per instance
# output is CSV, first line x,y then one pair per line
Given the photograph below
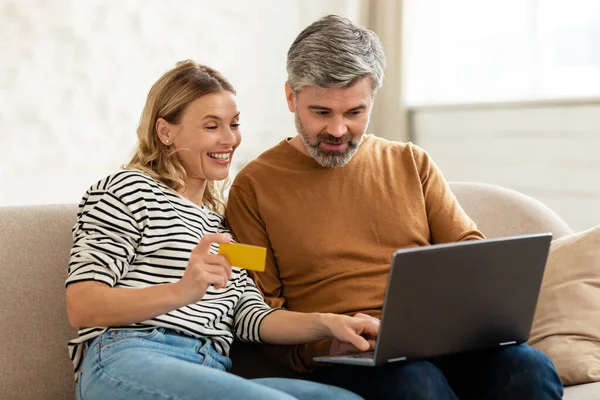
x,y
329,158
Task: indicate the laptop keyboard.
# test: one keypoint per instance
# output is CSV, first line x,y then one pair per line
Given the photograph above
x,y
368,354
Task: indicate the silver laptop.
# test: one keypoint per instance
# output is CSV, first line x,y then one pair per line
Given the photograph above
x,y
452,298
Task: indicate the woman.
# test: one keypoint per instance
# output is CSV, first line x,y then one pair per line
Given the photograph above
x,y
157,309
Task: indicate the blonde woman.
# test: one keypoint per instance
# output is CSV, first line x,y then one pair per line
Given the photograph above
x,y
157,309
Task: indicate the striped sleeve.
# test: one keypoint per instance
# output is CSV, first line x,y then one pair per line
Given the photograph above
x,y
105,238
249,313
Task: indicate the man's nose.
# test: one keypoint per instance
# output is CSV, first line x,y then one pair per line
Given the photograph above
x,y
337,127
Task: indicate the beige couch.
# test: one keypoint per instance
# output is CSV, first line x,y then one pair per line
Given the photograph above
x,y
34,251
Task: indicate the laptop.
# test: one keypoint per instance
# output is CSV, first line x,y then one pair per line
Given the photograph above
x,y
453,298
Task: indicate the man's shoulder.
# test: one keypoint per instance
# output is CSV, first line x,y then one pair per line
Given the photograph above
x,y
394,149
262,166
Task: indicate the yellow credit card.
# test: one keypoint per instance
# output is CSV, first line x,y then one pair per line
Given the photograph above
x,y
244,255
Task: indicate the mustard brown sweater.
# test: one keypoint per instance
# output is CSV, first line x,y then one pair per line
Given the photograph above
x,y
331,232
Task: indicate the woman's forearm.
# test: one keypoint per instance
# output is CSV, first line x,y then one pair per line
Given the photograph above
x,y
288,327
92,304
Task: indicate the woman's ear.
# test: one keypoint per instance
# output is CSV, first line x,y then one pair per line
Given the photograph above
x,y
163,130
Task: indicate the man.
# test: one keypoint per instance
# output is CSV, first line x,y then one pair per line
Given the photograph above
x,y
332,204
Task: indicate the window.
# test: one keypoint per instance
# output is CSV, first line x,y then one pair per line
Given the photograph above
x,y
465,51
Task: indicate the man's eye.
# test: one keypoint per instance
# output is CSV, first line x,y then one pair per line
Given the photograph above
x,y
322,112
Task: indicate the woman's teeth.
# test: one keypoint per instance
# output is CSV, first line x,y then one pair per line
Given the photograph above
x,y
219,156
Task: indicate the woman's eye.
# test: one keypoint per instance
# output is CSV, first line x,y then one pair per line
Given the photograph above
x,y
212,128
235,126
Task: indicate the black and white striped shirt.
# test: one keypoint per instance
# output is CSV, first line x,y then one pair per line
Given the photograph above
x,y
135,232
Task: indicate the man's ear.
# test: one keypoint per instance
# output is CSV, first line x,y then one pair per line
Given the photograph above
x,y
163,130
290,97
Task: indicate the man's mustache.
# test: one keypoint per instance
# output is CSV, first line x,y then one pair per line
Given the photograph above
x,y
329,138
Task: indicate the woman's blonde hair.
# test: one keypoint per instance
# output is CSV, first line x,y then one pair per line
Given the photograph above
x,y
167,99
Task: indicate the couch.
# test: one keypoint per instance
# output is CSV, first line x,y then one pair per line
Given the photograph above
x,y
34,252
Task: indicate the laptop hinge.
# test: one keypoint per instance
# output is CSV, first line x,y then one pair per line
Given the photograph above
x,y
397,359
508,343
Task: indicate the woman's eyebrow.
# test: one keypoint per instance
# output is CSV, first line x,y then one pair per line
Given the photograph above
x,y
210,116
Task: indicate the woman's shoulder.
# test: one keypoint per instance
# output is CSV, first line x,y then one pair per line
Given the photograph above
x,y
126,186
126,181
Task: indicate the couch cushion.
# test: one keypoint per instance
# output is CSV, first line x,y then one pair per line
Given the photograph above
x,y
567,321
589,391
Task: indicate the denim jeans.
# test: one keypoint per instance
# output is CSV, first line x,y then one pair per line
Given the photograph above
x,y
161,364
509,373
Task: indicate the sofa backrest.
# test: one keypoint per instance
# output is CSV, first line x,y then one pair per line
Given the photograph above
x,y
499,211
34,252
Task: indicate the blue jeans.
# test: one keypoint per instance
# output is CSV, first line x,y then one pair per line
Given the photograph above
x,y
161,364
509,373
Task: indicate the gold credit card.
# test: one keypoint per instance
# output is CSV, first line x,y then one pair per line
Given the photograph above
x,y
244,255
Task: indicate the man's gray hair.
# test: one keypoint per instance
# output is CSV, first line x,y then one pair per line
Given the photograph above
x,y
334,52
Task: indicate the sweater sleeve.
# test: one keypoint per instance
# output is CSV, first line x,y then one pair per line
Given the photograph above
x,y
250,310
448,222
244,220
105,238
249,313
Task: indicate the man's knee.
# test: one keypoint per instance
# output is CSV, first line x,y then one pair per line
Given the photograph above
x,y
419,380
526,359
532,368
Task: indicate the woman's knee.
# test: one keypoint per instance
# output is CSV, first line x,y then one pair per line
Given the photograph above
x,y
302,389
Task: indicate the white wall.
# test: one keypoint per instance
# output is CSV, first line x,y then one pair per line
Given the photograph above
x,y
74,75
549,152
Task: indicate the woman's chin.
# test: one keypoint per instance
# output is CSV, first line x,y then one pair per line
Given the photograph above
x,y
217,176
